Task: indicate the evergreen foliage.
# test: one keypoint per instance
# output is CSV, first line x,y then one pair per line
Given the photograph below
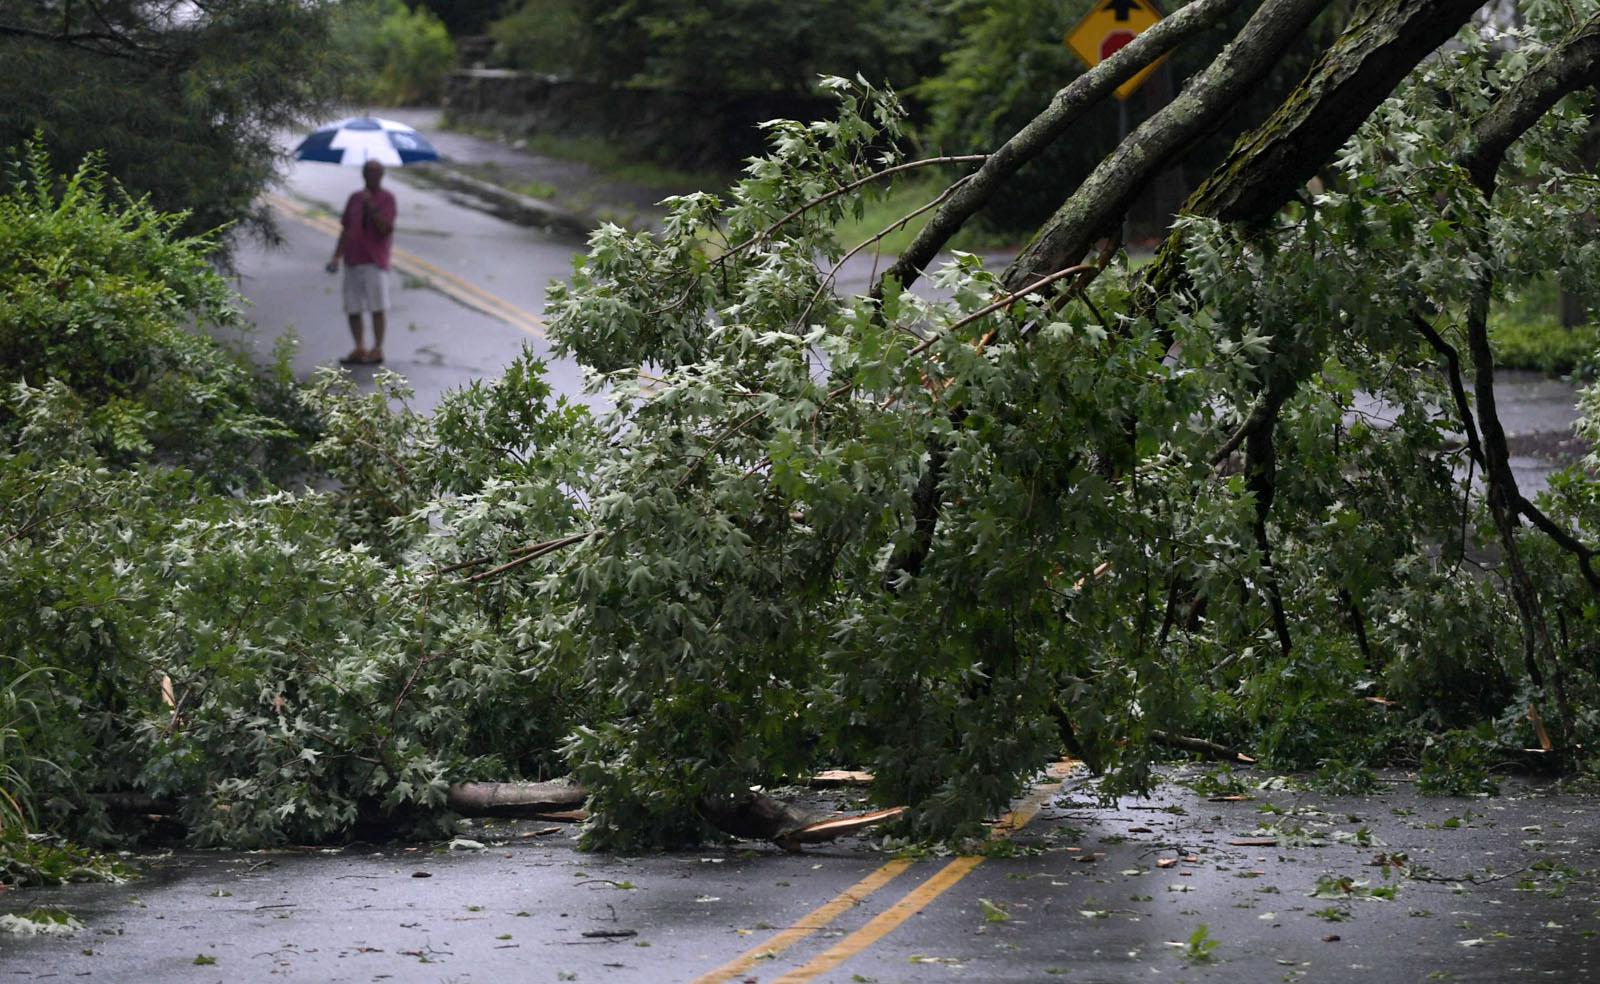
x,y
185,106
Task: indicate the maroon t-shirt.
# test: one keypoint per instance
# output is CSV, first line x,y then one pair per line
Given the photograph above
x,y
362,244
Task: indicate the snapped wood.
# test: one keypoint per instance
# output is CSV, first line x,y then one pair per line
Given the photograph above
x,y
836,827
840,777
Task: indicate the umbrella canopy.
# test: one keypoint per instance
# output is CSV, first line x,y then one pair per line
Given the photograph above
x,y
360,139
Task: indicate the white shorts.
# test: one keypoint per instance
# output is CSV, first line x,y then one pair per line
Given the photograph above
x,y
366,288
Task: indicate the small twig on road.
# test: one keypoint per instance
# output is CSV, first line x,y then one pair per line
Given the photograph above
x,y
1468,879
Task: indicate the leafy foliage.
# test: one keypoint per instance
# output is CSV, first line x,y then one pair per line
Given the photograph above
x,y
726,45
943,537
398,55
213,633
27,860
1528,334
1456,763
93,319
765,585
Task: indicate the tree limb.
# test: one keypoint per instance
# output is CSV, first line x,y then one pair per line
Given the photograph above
x,y
1573,65
1066,108
1201,747
1382,43
1199,108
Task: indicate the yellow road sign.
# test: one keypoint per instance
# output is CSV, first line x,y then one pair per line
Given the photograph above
x,y
1108,26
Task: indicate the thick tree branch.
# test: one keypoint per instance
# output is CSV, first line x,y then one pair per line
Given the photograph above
x,y
1458,390
529,554
1201,107
1383,42
1201,747
1066,108
1261,478
1260,415
1573,65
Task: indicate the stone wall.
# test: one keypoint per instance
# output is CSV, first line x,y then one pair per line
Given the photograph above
x,y
698,129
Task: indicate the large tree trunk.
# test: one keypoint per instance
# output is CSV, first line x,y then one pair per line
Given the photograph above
x,y
1379,48
1265,169
1099,203
1065,109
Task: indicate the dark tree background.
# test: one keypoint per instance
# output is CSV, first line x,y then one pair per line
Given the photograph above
x,y
183,106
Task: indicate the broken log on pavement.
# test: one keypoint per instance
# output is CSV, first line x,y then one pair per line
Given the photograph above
x,y
1200,746
516,799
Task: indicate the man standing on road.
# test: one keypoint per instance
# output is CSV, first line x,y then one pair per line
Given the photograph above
x,y
368,228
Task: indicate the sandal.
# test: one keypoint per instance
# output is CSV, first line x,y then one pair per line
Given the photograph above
x,y
372,359
356,358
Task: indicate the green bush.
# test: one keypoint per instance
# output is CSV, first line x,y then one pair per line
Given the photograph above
x,y
1526,333
187,621
395,55
1457,763
100,293
721,45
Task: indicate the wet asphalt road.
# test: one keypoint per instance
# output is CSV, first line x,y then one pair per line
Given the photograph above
x,y
1490,889
435,338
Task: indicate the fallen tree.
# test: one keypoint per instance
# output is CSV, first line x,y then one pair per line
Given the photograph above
x,y
936,537
926,485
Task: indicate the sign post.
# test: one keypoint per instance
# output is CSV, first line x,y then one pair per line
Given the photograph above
x,y
1101,33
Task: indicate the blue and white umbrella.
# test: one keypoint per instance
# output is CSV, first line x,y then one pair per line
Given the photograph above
x,y
360,139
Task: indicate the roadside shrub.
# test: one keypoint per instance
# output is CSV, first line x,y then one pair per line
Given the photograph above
x,y
396,55
1527,333
185,618
1457,763
104,298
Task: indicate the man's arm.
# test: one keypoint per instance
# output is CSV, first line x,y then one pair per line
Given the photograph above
x,y
344,234
380,212
338,252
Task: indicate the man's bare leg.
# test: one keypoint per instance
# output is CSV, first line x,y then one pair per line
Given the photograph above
x,y
356,333
379,323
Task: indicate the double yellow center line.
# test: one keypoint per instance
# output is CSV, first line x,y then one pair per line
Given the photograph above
x,y
891,918
447,283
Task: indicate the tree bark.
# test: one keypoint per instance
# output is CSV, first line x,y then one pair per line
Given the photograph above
x,y
1104,196
1380,46
1261,478
1382,43
1574,65
515,799
1066,108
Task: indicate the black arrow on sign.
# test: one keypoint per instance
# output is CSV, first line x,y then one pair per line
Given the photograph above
x,y
1122,8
